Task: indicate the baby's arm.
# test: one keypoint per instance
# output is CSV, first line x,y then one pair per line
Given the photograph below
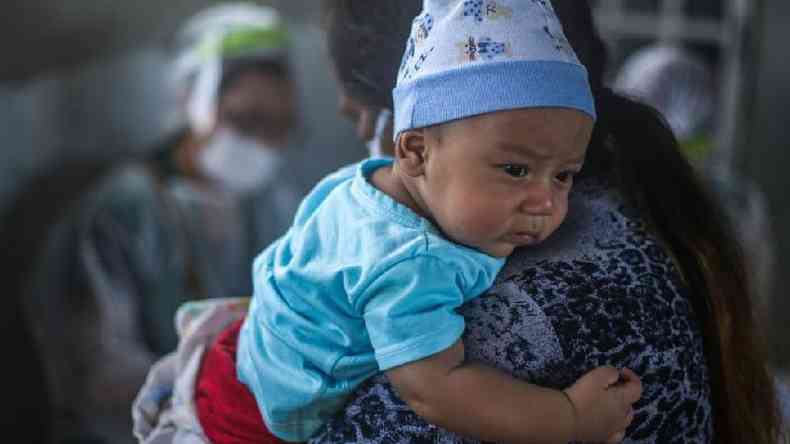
x,y
477,401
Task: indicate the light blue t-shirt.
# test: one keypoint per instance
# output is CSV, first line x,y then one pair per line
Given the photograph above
x,y
359,284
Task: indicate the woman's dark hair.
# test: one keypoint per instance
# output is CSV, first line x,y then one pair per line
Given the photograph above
x,y
637,146
366,43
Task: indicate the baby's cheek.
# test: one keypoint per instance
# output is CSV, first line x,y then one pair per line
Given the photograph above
x,y
480,214
560,214
487,221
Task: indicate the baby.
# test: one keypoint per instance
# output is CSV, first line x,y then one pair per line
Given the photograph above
x,y
493,114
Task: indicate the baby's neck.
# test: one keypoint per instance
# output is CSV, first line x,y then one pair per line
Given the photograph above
x,y
389,181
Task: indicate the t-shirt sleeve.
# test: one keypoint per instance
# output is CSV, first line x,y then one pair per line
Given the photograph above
x,y
410,309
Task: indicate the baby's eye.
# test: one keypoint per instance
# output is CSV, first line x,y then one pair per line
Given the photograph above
x,y
518,171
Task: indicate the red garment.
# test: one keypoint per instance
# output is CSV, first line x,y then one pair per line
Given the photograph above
x,y
226,409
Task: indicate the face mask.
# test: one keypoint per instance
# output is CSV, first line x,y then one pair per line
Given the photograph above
x,y
238,163
383,123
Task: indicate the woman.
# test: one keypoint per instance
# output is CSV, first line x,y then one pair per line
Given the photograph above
x,y
645,275
181,225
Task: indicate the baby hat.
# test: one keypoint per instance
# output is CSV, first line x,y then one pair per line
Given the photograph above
x,y
470,57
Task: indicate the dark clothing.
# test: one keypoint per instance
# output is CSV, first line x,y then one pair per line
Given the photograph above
x,y
114,271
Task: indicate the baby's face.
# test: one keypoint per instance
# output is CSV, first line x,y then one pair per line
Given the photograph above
x,y
501,180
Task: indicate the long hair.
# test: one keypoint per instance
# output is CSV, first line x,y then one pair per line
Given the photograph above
x,y
639,148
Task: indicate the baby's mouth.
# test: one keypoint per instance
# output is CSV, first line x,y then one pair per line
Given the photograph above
x,y
523,238
529,232
533,226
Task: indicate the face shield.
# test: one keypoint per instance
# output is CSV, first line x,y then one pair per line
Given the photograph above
x,y
214,38
235,154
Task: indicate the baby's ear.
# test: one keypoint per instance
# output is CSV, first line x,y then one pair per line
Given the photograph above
x,y
411,152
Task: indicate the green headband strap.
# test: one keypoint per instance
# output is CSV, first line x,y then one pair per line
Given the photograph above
x,y
247,40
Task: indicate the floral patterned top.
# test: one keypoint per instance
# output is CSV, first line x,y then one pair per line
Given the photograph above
x,y
601,291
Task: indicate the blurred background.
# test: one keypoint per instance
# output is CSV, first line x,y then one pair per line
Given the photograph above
x,y
83,87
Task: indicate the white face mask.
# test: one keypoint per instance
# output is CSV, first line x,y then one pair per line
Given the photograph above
x,y
383,123
239,163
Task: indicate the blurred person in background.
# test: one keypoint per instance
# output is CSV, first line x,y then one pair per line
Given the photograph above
x,y
681,85
165,410
181,225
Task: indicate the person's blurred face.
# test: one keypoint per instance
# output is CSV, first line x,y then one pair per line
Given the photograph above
x,y
256,114
361,115
259,105
364,117
500,180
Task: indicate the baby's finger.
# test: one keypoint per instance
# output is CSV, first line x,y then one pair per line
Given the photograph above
x,y
629,418
610,375
628,375
632,390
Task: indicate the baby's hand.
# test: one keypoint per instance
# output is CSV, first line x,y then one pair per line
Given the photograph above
x,y
603,400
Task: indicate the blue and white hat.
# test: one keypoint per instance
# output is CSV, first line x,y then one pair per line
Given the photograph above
x,y
470,57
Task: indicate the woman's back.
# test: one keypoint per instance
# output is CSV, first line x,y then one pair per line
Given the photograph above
x,y
601,291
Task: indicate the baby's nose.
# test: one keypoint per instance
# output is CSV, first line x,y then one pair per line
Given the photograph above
x,y
538,199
